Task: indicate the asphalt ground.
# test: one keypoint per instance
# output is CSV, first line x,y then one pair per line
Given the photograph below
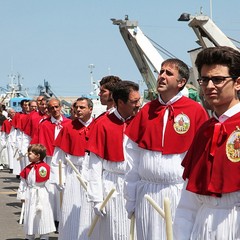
x,y
10,209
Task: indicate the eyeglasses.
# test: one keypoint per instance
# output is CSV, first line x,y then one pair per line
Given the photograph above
x,y
216,80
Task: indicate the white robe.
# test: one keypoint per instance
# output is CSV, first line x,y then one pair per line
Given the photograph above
x,y
13,139
76,212
200,217
103,176
154,174
38,216
3,149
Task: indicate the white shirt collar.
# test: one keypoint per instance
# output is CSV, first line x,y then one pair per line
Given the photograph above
x,y
229,113
117,114
86,123
54,120
111,110
171,101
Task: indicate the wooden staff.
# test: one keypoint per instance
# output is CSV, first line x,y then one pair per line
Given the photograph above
x,y
22,156
79,177
14,155
168,219
155,205
166,214
132,227
22,213
94,222
60,180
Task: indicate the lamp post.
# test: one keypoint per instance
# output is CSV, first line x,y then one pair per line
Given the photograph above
x,y
91,66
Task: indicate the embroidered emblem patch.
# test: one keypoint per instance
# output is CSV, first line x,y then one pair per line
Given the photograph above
x,y
181,123
233,146
42,172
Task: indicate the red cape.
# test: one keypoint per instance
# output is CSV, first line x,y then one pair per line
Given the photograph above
x,y
16,120
19,120
208,174
146,128
45,134
32,122
6,126
72,138
42,170
106,139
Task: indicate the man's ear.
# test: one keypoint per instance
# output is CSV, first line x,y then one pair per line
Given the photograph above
x,y
120,102
182,82
237,84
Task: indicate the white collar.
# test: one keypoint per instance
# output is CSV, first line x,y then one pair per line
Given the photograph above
x,y
117,114
87,123
171,101
54,120
229,113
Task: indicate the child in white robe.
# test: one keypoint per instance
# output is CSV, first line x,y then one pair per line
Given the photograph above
x,y
38,215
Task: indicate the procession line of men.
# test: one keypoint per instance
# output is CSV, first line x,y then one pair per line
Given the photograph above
x,y
146,151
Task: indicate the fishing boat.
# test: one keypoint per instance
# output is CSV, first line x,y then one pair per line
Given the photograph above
x,y
14,93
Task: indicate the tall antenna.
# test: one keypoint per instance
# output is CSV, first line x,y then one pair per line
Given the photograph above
x,y
211,16
91,66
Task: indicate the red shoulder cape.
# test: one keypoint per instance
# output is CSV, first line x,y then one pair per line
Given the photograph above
x,y
16,120
72,138
212,174
146,128
45,134
42,170
32,122
106,139
6,126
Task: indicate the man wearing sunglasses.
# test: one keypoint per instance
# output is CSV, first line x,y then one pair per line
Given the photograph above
x,y
157,141
209,206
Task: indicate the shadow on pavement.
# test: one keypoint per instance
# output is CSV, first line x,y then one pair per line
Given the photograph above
x,y
10,188
14,204
50,238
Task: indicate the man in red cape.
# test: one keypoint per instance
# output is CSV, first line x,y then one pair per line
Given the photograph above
x,y
76,214
5,139
157,141
209,206
107,165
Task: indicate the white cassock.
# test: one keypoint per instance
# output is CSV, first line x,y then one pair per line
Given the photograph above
x,y
38,216
154,174
103,177
76,212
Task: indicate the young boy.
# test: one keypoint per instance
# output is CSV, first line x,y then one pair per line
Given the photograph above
x,y
38,217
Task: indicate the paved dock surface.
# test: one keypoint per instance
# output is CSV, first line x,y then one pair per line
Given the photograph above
x,y
10,209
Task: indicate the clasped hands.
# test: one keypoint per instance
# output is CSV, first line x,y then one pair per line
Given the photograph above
x,y
97,210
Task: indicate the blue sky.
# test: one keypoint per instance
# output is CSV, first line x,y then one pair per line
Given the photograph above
x,y
56,40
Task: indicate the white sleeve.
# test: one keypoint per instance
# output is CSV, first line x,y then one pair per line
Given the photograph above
x,y
22,189
85,168
95,186
132,155
18,143
185,214
58,154
12,137
3,139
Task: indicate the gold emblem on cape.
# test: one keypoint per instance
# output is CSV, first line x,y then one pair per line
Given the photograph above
x,y
181,123
233,146
42,172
